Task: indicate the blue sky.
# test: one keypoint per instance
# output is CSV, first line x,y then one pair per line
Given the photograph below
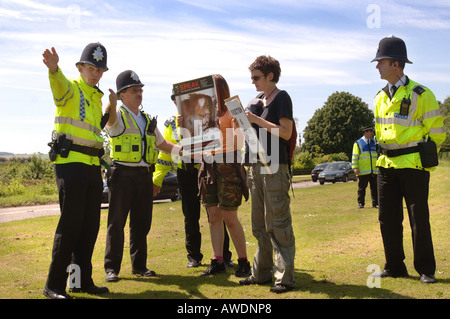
x,y
323,46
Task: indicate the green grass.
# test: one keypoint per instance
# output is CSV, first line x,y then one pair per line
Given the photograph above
x,y
335,243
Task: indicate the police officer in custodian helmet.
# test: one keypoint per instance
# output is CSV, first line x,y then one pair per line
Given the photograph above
x,y
410,130
76,149
134,138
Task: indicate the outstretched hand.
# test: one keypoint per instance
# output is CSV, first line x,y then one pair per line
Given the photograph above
x,y
51,59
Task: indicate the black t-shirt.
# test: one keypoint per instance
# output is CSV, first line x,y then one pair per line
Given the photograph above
x,y
280,107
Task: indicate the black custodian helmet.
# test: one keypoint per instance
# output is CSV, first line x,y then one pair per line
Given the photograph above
x,y
127,79
95,55
391,48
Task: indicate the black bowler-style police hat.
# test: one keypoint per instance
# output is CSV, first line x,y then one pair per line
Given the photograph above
x,y
127,79
368,128
392,48
94,54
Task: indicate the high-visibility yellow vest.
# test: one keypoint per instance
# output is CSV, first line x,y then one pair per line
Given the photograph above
x,y
396,131
127,147
364,157
165,161
78,116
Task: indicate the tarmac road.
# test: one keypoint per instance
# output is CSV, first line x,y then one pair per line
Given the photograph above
x,y
26,212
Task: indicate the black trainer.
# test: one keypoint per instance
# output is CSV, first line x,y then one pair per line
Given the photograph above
x,y
243,268
215,268
280,289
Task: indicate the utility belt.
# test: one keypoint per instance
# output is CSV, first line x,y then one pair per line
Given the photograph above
x,y
127,171
132,170
63,146
399,152
427,150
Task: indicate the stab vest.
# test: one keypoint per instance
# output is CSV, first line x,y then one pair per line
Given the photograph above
x,y
127,147
364,157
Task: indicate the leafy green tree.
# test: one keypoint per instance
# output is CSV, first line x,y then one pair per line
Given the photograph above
x,y
445,111
337,125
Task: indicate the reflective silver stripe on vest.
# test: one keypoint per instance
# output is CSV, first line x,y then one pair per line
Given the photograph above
x,y
398,121
81,141
78,124
395,146
405,122
64,97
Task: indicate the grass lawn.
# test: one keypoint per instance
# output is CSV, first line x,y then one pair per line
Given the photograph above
x,y
335,243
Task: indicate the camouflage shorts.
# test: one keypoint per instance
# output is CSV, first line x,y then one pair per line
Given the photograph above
x,y
227,191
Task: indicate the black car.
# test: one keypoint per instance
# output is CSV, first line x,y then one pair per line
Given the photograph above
x,y
337,172
315,172
169,189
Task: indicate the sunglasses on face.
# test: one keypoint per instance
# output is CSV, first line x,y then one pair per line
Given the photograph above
x,y
256,77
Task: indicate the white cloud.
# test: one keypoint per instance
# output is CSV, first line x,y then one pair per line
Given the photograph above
x,y
316,59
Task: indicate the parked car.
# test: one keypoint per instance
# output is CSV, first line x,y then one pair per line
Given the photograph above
x,y
315,172
337,172
169,189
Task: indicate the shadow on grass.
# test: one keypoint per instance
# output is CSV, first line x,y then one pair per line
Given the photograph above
x,y
189,284
307,283
189,288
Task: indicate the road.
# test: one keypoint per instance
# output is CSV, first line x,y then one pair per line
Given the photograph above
x,y
26,212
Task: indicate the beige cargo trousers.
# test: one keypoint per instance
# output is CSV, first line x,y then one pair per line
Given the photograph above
x,y
272,225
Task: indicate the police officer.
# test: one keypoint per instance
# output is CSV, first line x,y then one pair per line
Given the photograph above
x,y
364,159
187,176
134,137
76,151
407,114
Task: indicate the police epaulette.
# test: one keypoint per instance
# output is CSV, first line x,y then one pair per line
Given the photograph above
x,y
419,89
378,93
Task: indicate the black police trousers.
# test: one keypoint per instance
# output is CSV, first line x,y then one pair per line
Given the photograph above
x,y
363,181
130,191
80,189
413,186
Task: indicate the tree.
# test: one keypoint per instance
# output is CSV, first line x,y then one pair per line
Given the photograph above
x,y
337,125
445,112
